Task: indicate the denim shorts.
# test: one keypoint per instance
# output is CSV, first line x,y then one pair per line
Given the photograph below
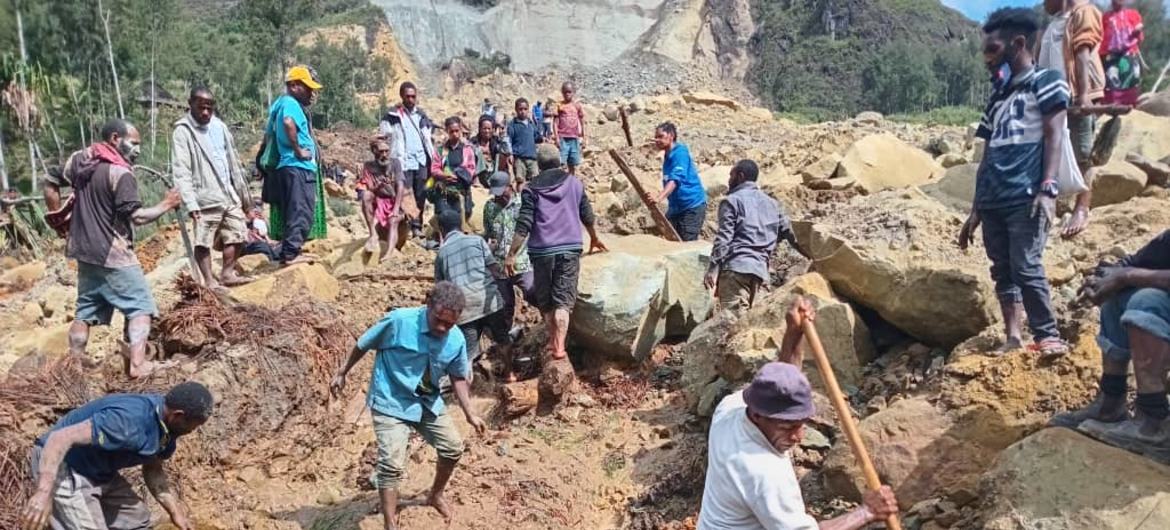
x,y
1146,309
101,290
571,151
393,440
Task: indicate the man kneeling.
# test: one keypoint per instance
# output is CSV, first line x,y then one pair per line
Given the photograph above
x,y
1134,296
416,348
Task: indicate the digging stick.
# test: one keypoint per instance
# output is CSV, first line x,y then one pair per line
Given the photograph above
x,y
182,228
656,214
626,126
1161,76
1111,110
846,416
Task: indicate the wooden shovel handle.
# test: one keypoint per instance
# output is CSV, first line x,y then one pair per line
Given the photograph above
x,y
845,415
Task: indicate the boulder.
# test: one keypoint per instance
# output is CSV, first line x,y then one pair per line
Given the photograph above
x,y
731,348
715,181
1115,182
894,252
956,188
821,169
760,113
22,277
58,302
52,342
333,189
1157,105
870,117
658,293
1157,172
289,285
611,112
1059,479
709,98
915,450
882,161
950,160
1136,132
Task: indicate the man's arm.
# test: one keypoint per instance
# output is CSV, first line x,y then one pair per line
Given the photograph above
x,y
181,170
721,248
143,216
1086,35
1054,127
585,210
56,445
52,194
799,312
459,370
669,188
581,120
159,485
290,134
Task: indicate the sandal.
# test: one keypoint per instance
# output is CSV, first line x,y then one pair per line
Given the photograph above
x,y
1050,348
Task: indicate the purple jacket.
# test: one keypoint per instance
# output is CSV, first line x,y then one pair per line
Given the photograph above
x,y
553,206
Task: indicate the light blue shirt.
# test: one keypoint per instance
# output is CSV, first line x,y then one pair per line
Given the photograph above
x,y
409,357
287,107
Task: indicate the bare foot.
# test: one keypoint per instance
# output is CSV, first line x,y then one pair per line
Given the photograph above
x,y
147,368
1010,345
390,254
231,279
303,258
439,503
559,355
509,377
371,244
1076,224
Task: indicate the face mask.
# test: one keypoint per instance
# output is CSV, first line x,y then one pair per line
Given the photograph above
x,y
1003,74
129,151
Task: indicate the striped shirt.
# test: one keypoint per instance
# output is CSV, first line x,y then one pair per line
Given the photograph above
x,y
464,260
1013,126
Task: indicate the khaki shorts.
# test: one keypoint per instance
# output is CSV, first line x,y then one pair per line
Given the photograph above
x,y
79,503
393,438
217,227
735,290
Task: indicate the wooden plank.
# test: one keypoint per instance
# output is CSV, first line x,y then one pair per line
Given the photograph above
x,y
626,126
659,219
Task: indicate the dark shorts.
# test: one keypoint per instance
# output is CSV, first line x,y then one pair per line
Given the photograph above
x,y
496,325
688,223
101,290
555,281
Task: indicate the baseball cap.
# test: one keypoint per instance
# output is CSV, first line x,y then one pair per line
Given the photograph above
x,y
302,74
780,392
498,182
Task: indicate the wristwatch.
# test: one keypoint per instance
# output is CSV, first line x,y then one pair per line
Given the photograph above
x,y
1049,188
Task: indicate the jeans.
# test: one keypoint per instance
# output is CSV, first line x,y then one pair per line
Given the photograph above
x,y
571,151
298,205
688,223
1015,241
1145,309
416,181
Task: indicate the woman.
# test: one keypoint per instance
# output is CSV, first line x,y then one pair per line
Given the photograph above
x,y
381,191
1121,53
456,163
681,187
491,149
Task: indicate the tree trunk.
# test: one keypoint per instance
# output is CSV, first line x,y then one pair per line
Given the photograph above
x,y
110,50
3,167
22,83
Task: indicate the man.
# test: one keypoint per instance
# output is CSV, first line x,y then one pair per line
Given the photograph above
x,y
257,238
1050,52
681,188
751,224
76,464
380,192
1134,296
51,187
411,130
750,482
523,135
499,224
552,208
569,129
1015,188
296,171
415,349
101,238
1086,80
455,165
466,261
211,181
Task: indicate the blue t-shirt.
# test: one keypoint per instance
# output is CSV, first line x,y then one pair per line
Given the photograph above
x,y
410,362
128,431
1013,126
288,107
677,166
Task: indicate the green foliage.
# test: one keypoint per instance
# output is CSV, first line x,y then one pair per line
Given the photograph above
x,y
341,207
1156,48
955,116
834,58
344,71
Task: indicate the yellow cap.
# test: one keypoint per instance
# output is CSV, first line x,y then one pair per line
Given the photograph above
x,y
302,74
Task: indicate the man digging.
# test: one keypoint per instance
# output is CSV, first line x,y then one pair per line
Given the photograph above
x,y
415,350
213,186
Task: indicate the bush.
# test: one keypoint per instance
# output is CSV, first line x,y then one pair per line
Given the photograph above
x,y
341,207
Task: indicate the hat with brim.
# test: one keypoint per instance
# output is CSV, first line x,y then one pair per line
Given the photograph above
x,y
780,392
499,182
302,74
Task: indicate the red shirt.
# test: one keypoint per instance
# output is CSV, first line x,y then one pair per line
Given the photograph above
x,y
1122,32
569,118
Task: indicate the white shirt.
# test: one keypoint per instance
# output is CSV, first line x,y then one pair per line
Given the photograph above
x,y
1052,44
750,485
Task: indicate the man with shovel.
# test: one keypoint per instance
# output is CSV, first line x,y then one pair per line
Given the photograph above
x,y
751,483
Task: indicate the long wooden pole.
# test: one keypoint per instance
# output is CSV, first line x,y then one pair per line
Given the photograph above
x,y
626,126
846,415
664,226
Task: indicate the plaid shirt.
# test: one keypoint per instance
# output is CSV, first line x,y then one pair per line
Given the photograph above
x,y
464,260
499,227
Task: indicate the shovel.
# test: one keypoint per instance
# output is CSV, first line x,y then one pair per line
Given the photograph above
x,y
846,416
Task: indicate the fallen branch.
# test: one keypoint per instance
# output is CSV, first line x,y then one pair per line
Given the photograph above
x,y
664,226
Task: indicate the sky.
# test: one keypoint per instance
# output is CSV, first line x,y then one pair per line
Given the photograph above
x,y
978,9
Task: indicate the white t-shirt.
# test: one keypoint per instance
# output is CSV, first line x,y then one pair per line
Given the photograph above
x,y
1052,44
750,485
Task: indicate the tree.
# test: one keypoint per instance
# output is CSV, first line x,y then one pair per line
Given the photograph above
x,y
901,79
